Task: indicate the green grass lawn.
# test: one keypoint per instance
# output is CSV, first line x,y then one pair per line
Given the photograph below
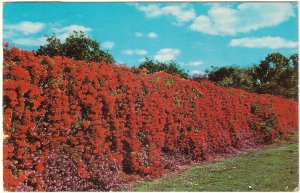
x,y
274,168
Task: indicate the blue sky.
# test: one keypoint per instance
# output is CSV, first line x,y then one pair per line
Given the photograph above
x,y
194,35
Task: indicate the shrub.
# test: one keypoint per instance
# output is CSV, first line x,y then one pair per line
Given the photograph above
x,y
76,126
150,67
77,46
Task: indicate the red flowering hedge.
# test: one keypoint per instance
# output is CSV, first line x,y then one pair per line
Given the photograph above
x,y
73,125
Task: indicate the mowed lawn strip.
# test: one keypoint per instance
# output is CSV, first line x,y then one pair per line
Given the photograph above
x,y
274,168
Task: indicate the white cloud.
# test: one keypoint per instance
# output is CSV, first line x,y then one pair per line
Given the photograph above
x,y
182,12
7,34
225,20
196,72
63,32
151,10
196,63
263,42
149,35
24,27
134,52
71,28
142,60
166,54
138,34
152,35
30,41
25,32
108,45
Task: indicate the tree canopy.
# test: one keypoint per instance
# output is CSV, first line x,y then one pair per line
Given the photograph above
x,y
232,77
156,66
276,75
77,46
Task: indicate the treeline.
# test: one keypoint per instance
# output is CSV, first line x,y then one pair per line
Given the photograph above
x,y
276,74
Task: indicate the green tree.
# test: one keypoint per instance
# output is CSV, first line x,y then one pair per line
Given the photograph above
x,y
277,75
156,66
232,76
53,48
293,61
77,46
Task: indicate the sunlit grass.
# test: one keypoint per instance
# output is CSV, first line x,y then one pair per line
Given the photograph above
x,y
274,168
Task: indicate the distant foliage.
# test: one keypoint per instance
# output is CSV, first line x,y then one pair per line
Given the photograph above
x,y
171,68
276,75
232,77
77,46
73,125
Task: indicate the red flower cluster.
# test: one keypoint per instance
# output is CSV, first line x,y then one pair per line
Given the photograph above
x,y
97,111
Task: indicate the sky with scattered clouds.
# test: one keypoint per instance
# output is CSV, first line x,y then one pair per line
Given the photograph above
x,y
194,35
